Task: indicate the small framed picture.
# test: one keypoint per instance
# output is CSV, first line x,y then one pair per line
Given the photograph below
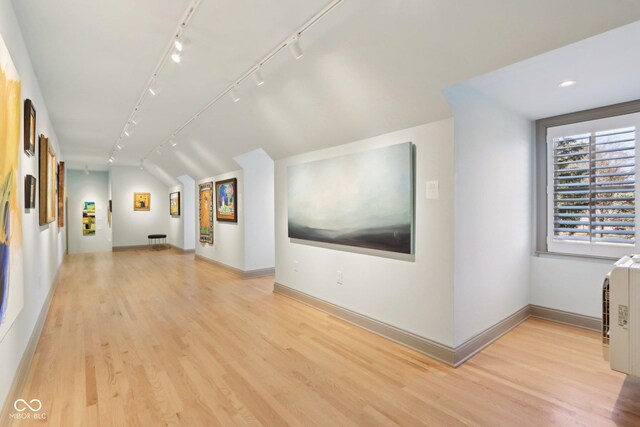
x,y
29,128
29,192
226,200
174,204
141,201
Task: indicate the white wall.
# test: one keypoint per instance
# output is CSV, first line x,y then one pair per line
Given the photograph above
x,y
228,237
572,285
259,209
188,211
411,293
43,247
176,223
131,228
493,219
88,188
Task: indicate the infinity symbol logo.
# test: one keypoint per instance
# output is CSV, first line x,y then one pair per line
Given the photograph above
x,y
26,405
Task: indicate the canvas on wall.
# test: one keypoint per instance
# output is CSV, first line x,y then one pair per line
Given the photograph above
x,y
11,256
174,204
141,201
88,218
47,175
29,127
61,194
226,200
206,212
363,199
29,192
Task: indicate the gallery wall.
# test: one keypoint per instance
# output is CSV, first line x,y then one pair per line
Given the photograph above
x,y
228,237
189,212
131,228
43,246
81,188
492,231
410,292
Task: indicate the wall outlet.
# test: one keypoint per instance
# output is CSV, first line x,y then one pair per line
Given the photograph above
x,y
339,277
295,266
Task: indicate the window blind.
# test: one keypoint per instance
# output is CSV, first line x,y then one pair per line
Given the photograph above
x,y
593,194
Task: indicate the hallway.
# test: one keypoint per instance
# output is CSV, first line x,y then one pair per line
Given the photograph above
x,y
143,338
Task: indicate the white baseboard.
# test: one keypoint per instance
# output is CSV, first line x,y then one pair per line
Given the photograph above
x,y
244,274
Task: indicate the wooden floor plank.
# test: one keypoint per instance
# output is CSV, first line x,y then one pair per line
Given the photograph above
x,y
142,338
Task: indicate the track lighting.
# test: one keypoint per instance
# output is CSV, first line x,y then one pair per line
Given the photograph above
x,y
111,159
135,119
234,95
257,77
141,165
295,49
178,45
173,143
159,152
154,88
119,147
175,57
128,131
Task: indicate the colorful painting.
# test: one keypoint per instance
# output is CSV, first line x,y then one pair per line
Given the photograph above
x,y
11,256
61,194
29,128
226,200
89,219
48,171
174,204
206,212
29,192
363,199
141,201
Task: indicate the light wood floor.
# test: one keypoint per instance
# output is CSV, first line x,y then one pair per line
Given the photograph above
x,y
155,338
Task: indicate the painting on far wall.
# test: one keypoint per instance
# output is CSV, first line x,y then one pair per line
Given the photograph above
x,y
11,255
61,194
206,212
88,218
226,201
141,201
174,204
47,171
363,199
29,192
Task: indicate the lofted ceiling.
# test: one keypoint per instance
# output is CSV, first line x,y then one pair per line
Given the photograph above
x,y
370,67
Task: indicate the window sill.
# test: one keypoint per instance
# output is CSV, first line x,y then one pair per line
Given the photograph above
x,y
559,255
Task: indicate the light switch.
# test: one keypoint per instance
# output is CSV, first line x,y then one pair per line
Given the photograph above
x,y
433,189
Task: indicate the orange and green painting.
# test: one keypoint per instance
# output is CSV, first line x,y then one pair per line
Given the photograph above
x,y
206,212
11,286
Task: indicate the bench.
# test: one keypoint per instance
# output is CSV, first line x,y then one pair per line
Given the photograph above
x,y
157,241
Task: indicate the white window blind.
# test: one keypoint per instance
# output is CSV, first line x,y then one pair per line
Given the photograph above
x,y
592,188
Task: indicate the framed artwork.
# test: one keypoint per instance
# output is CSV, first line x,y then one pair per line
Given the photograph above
x,y
29,192
206,212
89,219
364,199
11,251
109,213
174,204
141,201
226,200
29,127
61,194
47,188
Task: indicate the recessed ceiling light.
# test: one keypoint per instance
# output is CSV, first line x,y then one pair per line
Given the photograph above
x,y
567,83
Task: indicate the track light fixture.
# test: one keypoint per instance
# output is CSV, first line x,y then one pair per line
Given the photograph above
x,y
294,47
175,57
154,88
119,147
233,93
128,131
111,159
257,77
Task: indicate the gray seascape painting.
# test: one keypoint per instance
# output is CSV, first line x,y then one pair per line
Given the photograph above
x,y
362,199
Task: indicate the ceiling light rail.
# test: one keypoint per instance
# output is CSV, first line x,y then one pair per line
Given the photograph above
x,y
152,87
291,42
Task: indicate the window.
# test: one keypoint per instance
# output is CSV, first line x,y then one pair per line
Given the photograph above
x,y
591,187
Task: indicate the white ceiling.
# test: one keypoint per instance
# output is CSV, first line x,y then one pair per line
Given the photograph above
x,y
370,67
606,68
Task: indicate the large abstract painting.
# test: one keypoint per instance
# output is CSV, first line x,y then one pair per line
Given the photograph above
x,y
206,212
11,273
363,199
226,200
88,218
47,171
